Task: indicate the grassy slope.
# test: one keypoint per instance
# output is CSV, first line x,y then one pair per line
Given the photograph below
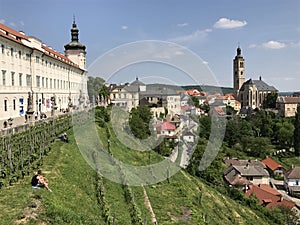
x,y
73,198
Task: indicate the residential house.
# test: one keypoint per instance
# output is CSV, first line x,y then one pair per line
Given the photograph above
x,y
292,181
287,105
273,167
188,136
244,172
127,96
268,196
166,129
229,100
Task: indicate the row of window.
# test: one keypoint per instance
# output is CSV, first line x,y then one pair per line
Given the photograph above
x,y
43,82
12,51
37,58
5,106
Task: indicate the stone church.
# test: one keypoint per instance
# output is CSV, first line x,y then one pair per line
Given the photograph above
x,y
251,93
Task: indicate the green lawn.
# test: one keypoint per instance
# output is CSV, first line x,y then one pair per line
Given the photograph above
x,y
182,200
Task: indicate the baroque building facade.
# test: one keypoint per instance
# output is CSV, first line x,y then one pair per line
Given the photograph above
x,y
34,78
251,93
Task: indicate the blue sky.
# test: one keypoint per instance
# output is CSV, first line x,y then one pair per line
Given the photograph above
x,y
268,31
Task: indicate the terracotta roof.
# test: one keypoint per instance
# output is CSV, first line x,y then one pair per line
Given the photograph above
x,y
54,54
11,34
268,198
269,189
271,164
228,96
165,126
293,173
18,36
219,110
289,100
194,92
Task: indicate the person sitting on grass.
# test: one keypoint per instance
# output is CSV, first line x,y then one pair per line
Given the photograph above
x,y
64,137
38,181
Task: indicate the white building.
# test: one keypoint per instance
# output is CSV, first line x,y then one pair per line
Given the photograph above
x,y
29,67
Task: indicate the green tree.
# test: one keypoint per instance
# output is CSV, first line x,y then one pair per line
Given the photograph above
x,y
139,121
103,94
284,134
297,132
94,85
270,101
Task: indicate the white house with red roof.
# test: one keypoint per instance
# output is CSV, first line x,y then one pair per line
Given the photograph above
x,y
273,167
166,129
33,72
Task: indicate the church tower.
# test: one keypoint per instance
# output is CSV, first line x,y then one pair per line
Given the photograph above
x,y
238,72
74,50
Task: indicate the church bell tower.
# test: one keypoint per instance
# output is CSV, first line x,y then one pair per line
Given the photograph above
x,y
74,50
238,71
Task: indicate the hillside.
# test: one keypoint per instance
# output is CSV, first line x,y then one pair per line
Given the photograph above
x,y
182,200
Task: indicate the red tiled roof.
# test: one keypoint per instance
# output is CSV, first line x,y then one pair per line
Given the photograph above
x,y
9,33
165,126
271,164
269,189
219,110
291,100
268,198
54,54
17,37
228,96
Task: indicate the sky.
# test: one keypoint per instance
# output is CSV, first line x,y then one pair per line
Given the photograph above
x,y
126,34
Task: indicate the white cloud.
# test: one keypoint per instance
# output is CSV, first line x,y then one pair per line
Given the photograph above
x,y
195,36
225,23
2,21
124,27
182,24
274,45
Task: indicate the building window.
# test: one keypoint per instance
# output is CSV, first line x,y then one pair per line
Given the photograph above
x,y
11,51
46,82
5,105
3,48
14,104
50,82
54,83
12,78
37,59
28,80
43,82
38,81
3,77
20,54
20,79
242,64
27,56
